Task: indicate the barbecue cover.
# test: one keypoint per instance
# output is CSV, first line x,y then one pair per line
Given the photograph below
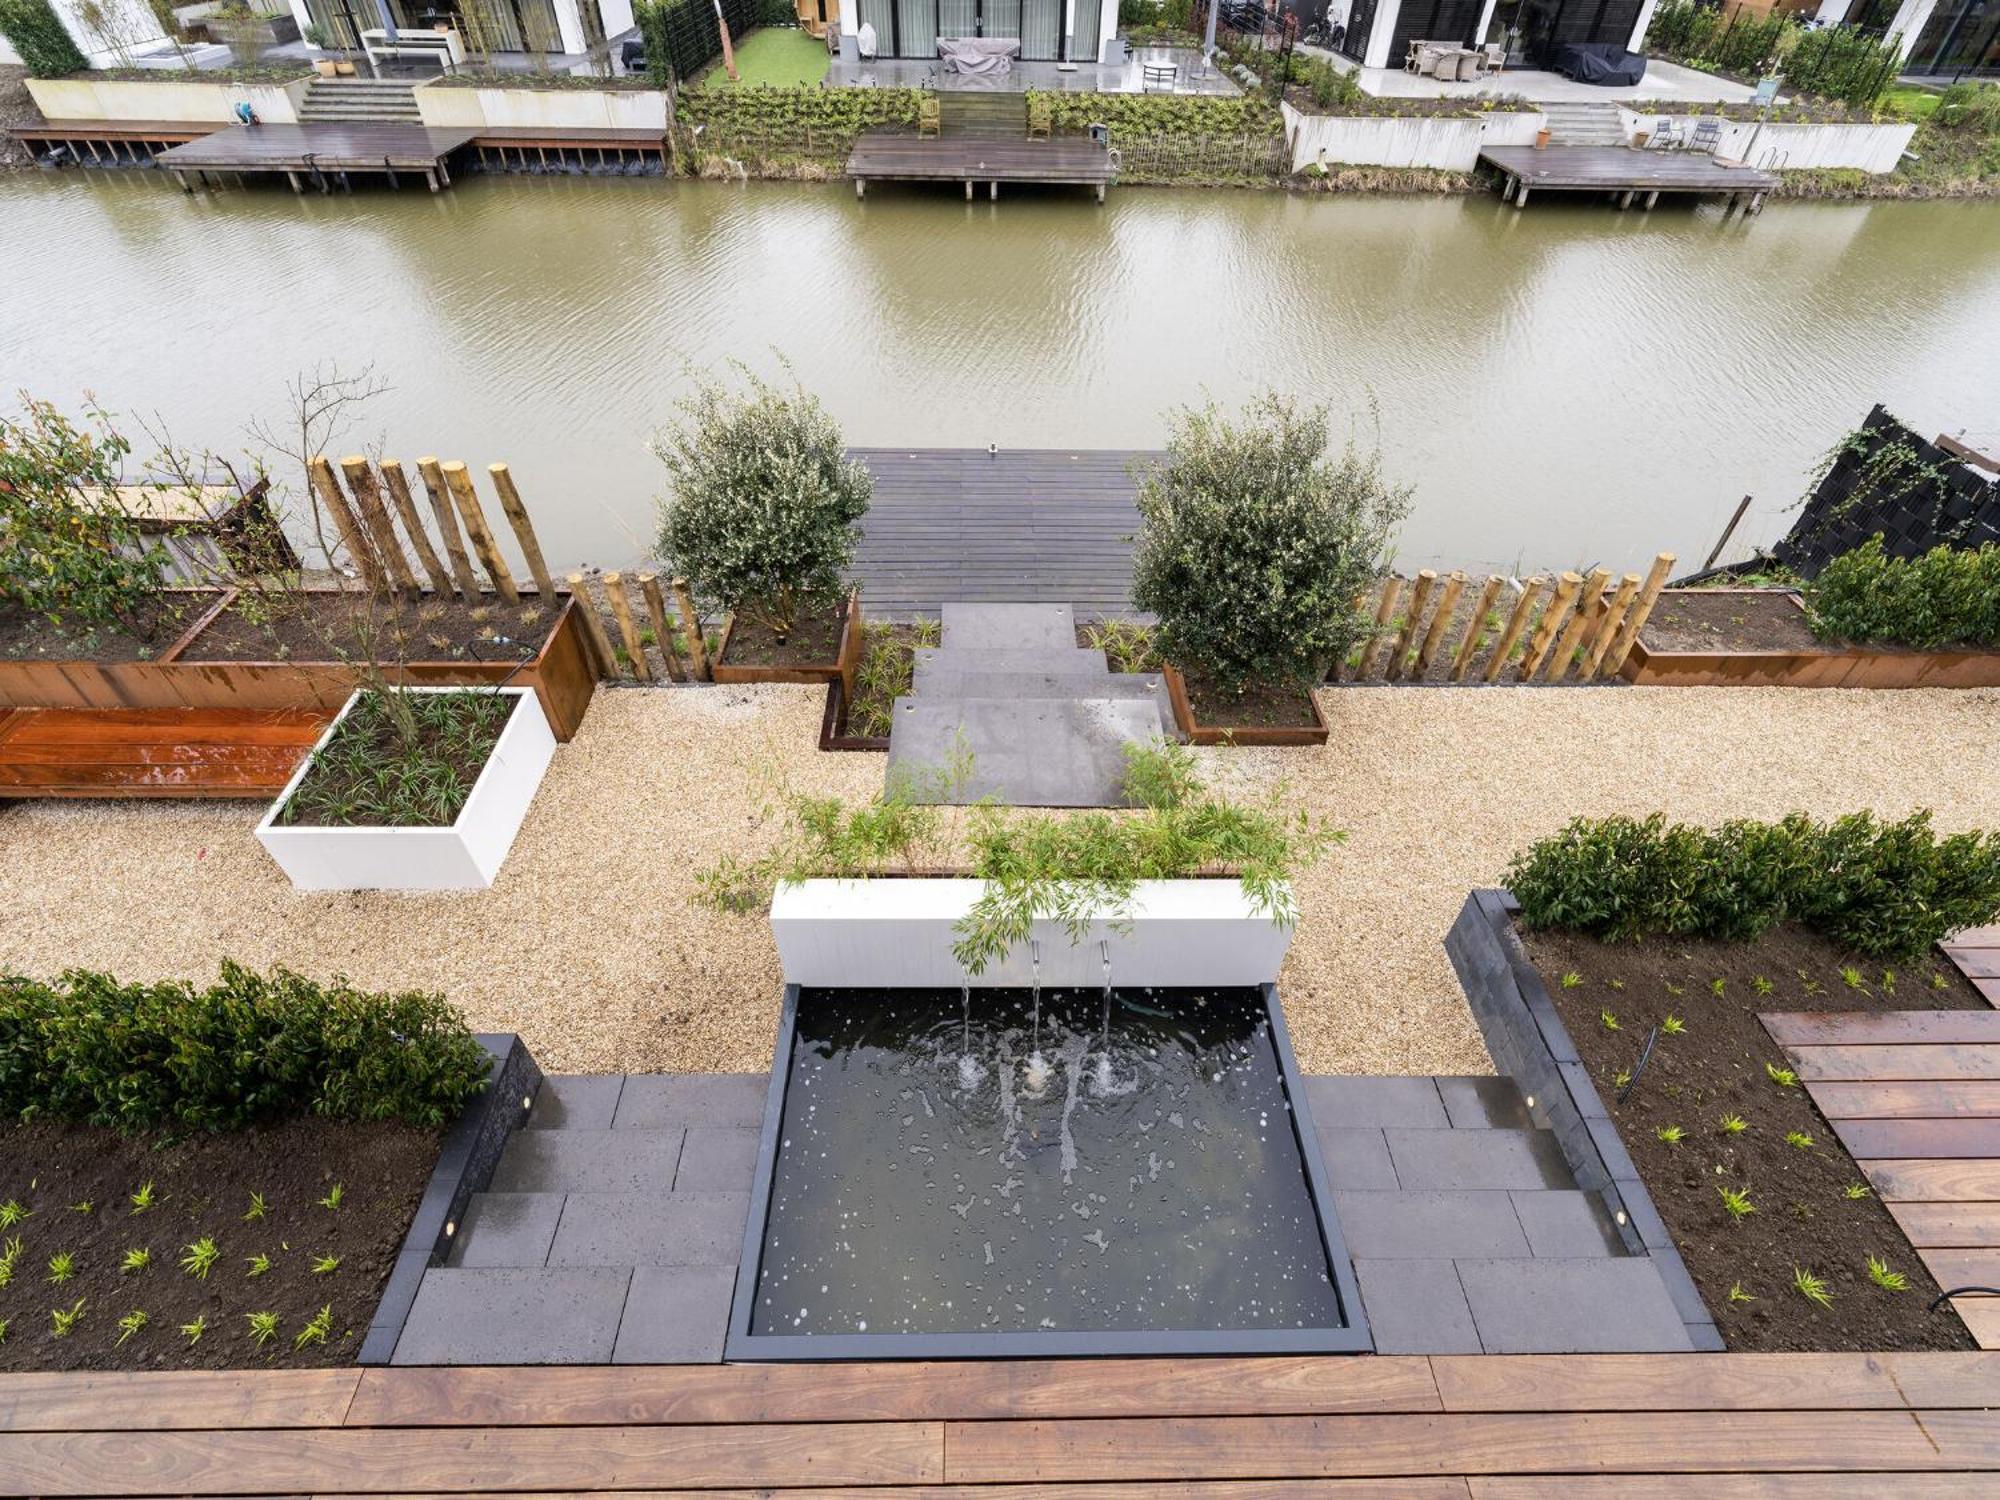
x,y
1604,63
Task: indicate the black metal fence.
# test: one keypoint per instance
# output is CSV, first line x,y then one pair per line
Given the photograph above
x,y
692,38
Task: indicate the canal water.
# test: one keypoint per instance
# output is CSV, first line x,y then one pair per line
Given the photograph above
x,y
1563,385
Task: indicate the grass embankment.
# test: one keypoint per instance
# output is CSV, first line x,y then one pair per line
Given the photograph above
x,y
1954,154
773,57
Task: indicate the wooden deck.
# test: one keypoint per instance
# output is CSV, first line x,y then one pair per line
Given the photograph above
x,y
112,143
1478,1427
320,155
1026,525
521,147
890,156
1630,175
135,752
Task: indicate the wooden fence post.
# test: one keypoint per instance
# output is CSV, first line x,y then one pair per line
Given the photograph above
x,y
1517,622
1392,669
368,500
1607,628
399,492
1454,585
691,625
621,610
467,500
1385,607
1544,637
1474,626
1589,605
593,626
656,610
447,519
524,529
1649,593
345,521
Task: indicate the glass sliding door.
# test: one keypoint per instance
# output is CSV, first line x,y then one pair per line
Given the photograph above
x,y
1961,41
1000,18
1041,29
881,14
1083,40
917,28
958,18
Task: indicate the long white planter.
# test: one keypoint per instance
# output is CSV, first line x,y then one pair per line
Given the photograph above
x,y
169,99
1789,146
1451,145
541,109
897,934
465,856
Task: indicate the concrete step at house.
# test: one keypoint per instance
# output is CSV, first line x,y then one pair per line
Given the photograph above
x,y
383,101
1118,686
1581,123
1008,627
1069,662
1025,752
988,115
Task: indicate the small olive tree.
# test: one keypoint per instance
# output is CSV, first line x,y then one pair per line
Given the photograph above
x,y
1256,542
765,502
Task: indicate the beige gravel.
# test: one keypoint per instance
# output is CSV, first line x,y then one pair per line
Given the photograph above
x,y
591,947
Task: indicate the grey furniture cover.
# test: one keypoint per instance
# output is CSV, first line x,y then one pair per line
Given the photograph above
x,y
979,56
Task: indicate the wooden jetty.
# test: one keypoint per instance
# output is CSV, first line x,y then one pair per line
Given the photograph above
x,y
1629,175
323,155
523,148
891,156
116,143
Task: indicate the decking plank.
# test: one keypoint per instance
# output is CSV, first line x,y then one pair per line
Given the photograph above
x,y
333,147
1944,1181
1944,1100
1977,1139
1674,1382
1878,1028
1948,1226
136,1401
1977,963
1892,1063
1615,168
1427,1488
1876,1486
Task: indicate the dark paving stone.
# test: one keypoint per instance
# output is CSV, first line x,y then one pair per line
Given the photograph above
x,y
1375,1101
651,1229
576,1101
1427,1225
1477,1103
720,1158
588,1161
1041,752
1355,1157
660,1101
1008,627
675,1315
507,1229
1416,1307
496,1317
1600,1306
1478,1159
1566,1224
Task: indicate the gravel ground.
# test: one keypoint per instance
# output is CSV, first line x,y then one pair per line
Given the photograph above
x,y
591,947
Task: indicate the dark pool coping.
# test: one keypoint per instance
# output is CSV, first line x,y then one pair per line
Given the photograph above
x,y
1528,1041
464,1166
1352,1338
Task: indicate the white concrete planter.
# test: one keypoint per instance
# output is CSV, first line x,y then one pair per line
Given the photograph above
x,y
897,934
541,109
169,99
1791,146
1451,145
465,856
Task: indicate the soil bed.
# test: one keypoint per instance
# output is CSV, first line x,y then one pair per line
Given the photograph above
x,y
328,626
1716,1069
369,776
158,622
202,1188
814,642
887,671
1261,705
1720,620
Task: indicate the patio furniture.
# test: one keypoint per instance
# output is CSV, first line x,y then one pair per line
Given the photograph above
x,y
1603,63
1158,74
440,47
1465,65
1430,58
930,116
1707,136
1666,135
979,56
1496,57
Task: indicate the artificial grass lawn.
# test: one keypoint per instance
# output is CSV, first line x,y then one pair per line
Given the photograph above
x,y
774,57
1911,103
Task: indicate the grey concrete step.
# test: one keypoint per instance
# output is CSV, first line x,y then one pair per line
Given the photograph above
x,y
568,1315
1002,627
651,1229
589,1161
1076,662
1053,685
1024,752
1477,1158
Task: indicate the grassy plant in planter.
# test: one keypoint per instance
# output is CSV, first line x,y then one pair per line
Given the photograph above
x,y
399,760
763,512
1255,544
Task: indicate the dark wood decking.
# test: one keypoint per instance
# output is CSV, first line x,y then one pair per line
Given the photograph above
x,y
512,145
882,155
1616,169
1027,525
139,752
300,150
1478,1427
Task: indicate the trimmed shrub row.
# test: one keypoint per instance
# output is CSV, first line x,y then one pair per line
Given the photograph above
x,y
45,47
1883,889
89,1050
1949,596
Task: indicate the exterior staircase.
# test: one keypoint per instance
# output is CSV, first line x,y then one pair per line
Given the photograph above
x,y
359,101
1576,123
982,115
1042,721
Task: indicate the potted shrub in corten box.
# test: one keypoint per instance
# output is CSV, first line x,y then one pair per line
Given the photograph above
x,y
762,522
1255,544
412,789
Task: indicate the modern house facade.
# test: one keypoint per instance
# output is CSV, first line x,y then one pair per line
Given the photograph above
x,y
486,26
1379,31
1948,39
1078,31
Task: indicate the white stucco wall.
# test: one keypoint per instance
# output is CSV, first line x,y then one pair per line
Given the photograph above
x,y
1788,146
128,27
543,109
8,56
169,99
1452,145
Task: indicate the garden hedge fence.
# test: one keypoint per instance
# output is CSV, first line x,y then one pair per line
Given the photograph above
x,y
45,46
771,129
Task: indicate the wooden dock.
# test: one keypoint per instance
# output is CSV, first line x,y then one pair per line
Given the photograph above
x,y
1629,175
323,156
521,148
113,143
891,156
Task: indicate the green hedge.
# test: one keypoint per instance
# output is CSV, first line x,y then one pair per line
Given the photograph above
x,y
1948,597
790,123
1884,889
44,45
92,1051
1147,114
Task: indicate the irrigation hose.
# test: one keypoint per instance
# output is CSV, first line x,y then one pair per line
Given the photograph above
x,y
1645,1057
1959,1291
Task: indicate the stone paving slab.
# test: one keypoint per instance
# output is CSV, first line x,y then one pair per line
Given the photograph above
x,y
1416,1307
1571,1306
651,1229
1078,660
999,627
1355,1157
1366,1101
718,1158
659,1101
576,1101
1476,1103
1025,752
1477,1159
588,1161
1427,1224
518,1317
507,1229
1568,1224
675,1315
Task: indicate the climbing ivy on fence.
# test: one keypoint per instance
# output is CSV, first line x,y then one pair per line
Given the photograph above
x,y
789,124
1162,114
44,45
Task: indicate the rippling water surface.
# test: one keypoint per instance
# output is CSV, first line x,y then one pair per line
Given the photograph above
x,y
1563,385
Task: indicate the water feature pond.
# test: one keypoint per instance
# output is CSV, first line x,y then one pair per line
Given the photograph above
x,y
999,1173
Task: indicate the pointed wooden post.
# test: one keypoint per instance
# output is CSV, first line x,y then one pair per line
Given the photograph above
x,y
1454,585
656,610
593,625
413,524
1524,608
467,500
352,537
1642,608
1419,596
1469,643
691,627
375,516
1385,607
524,529
1607,628
615,588
447,521
1589,605
1552,619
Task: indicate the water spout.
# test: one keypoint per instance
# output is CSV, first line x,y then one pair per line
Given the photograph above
x,y
970,1071
1035,1075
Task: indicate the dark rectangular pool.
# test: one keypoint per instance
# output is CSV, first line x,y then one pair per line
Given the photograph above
x,y
990,1174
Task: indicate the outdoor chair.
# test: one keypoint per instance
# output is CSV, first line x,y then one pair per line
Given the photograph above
x,y
1707,136
1468,66
1666,135
930,115
1496,57
1158,75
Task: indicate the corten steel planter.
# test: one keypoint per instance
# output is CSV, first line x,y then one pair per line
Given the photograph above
x,y
833,731
560,673
846,661
1198,733
1825,667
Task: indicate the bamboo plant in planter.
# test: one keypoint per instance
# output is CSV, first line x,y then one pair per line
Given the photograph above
x,y
761,521
1255,545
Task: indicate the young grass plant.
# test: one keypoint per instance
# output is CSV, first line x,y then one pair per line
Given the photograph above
x,y
1732,1125
263,1327
1673,1025
144,1198
331,1202
325,1265
1798,1140
193,1330
1784,1078
131,1323
12,1213
259,1264
62,1266
1882,1276
1737,1203
1672,1135
1812,1288
258,1208
136,1259
200,1258
63,1320
316,1331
